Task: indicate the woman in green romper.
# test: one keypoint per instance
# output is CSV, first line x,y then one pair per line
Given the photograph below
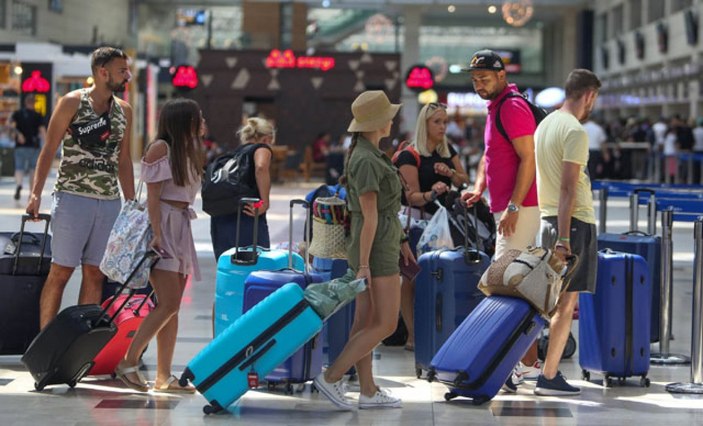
x,y
373,196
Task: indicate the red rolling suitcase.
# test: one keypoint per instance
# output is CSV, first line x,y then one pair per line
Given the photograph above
x,y
127,322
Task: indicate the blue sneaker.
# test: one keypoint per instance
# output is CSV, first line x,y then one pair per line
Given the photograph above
x,y
558,386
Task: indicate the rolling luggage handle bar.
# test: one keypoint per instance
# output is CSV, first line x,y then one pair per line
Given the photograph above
x,y
471,255
651,211
149,255
306,235
25,218
244,257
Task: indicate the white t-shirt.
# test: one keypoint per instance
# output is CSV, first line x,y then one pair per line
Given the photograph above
x,y
670,144
596,135
698,136
659,129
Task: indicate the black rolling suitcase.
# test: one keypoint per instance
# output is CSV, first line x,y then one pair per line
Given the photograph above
x,y
25,259
64,351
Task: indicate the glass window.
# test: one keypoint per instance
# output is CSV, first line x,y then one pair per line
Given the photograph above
x,y
56,6
24,18
656,10
618,21
635,14
601,28
3,13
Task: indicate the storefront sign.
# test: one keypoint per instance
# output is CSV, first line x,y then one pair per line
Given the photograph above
x,y
287,59
185,77
36,83
419,77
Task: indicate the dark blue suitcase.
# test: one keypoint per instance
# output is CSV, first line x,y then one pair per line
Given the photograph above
x,y
251,347
479,356
336,331
446,291
649,247
306,363
614,322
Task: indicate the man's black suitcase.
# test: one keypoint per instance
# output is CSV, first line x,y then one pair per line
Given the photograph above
x,y
64,351
25,259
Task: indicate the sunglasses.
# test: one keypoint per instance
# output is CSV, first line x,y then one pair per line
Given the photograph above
x,y
432,106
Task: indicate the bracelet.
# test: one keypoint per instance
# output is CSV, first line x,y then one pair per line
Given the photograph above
x,y
567,239
564,246
404,239
363,267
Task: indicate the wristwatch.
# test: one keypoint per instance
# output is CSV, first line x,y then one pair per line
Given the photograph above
x,y
513,208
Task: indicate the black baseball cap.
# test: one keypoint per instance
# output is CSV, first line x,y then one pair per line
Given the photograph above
x,y
485,60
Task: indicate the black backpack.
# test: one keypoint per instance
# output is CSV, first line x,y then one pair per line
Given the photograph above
x,y
229,178
537,111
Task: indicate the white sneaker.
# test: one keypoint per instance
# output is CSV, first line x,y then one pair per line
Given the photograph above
x,y
515,379
531,372
333,391
381,399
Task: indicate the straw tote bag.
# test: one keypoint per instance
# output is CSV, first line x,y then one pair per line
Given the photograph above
x,y
329,218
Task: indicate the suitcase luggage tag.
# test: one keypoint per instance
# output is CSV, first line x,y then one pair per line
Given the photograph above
x,y
253,376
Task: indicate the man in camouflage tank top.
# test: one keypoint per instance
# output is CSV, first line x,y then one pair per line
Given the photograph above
x,y
94,126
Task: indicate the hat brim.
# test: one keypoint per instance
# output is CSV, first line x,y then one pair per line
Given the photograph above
x,y
372,125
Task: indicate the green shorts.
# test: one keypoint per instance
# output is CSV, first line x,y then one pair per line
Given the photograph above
x,y
385,250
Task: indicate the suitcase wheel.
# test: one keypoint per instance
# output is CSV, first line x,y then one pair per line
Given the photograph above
x,y
39,387
187,375
209,409
645,382
71,384
418,372
585,375
607,381
449,396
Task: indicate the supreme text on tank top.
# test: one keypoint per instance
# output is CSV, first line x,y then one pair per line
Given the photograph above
x,y
91,149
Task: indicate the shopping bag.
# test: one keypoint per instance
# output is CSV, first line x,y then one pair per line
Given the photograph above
x,y
128,243
437,234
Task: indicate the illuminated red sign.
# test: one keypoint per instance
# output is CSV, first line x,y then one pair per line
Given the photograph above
x,y
36,83
419,77
185,77
287,59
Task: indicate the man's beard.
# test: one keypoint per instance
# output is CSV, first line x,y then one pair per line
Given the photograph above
x,y
116,87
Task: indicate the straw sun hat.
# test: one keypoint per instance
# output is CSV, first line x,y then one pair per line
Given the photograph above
x,y
372,111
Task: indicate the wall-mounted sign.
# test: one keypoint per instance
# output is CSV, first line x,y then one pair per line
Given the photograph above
x,y
511,60
419,77
36,83
185,77
37,78
287,59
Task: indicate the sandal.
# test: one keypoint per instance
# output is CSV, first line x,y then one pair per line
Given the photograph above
x,y
171,385
122,372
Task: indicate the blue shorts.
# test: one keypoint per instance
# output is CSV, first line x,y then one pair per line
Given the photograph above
x,y
26,159
81,227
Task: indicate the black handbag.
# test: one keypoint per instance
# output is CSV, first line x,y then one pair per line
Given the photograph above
x,y
229,178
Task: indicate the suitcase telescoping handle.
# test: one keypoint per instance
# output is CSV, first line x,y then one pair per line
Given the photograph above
x,y
242,258
151,256
25,217
651,210
306,234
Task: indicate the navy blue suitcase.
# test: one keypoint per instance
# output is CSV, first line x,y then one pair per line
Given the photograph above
x,y
335,333
446,291
305,363
614,322
479,356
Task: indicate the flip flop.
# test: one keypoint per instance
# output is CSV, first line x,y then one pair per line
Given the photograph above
x,y
171,385
121,373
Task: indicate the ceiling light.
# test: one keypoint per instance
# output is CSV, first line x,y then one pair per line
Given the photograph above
x,y
451,8
492,9
517,12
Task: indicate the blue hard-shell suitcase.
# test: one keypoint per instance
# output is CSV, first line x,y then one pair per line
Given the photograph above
x,y
306,363
446,291
234,266
252,347
336,331
614,322
480,355
649,247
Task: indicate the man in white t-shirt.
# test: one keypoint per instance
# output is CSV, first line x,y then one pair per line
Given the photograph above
x,y
566,208
597,151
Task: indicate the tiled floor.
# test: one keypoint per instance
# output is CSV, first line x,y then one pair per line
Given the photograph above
x,y
103,401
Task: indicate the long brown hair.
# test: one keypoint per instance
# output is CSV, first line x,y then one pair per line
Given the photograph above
x,y
344,180
180,127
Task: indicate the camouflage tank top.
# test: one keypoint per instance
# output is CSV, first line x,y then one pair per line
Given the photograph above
x,y
91,149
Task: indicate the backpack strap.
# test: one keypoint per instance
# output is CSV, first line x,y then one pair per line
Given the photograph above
x,y
406,146
499,123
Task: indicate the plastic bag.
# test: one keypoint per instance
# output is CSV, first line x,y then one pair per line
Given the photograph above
x,y
329,297
437,234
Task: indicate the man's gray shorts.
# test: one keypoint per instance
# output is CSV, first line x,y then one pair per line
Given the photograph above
x,y
81,227
584,244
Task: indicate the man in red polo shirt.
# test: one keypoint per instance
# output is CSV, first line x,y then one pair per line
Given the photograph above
x,y
507,170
